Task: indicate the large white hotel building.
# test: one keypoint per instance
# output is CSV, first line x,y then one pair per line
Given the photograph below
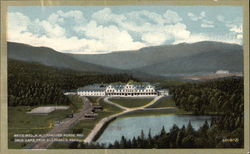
x,y
121,89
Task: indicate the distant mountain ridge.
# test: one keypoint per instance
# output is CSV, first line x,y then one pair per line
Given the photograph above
x,y
50,57
200,57
198,64
167,60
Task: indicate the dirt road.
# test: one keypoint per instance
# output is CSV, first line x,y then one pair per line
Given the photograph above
x,y
65,125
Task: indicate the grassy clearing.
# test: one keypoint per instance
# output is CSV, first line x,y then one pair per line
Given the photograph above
x,y
93,99
19,122
164,102
155,113
77,103
131,103
85,126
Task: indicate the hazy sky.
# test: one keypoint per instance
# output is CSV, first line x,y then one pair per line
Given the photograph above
x,y
99,29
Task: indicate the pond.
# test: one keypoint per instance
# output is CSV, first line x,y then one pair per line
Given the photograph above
x,y
132,126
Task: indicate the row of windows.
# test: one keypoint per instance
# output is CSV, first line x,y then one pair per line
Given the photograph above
x,y
130,90
87,93
132,94
118,91
92,94
129,87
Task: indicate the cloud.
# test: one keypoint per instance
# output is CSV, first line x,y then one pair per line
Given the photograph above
x,y
197,37
110,37
154,38
55,18
203,14
17,22
207,24
177,31
239,37
105,31
192,16
105,15
150,28
236,28
197,17
201,17
95,38
172,17
52,30
141,17
220,18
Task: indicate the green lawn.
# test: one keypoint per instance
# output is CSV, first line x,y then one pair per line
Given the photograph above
x,y
131,103
20,122
77,103
85,126
93,99
155,113
164,102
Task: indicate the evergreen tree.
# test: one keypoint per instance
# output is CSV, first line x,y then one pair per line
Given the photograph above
x,y
188,141
163,132
123,143
134,143
189,129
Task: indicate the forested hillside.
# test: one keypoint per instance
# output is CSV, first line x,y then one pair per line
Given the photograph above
x,y
225,95
36,84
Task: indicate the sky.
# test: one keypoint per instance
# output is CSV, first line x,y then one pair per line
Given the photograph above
x,y
103,29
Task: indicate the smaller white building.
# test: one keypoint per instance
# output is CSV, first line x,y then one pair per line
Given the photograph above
x,y
163,92
70,93
222,72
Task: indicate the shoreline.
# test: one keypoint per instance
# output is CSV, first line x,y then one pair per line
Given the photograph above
x,y
91,136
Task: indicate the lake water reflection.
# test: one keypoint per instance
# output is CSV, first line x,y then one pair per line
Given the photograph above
x,y
132,126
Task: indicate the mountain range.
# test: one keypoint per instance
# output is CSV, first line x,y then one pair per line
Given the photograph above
x,y
167,60
51,57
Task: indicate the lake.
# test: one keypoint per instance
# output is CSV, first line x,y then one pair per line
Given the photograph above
x,y
132,126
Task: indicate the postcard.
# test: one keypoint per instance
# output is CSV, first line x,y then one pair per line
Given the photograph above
x,y
125,77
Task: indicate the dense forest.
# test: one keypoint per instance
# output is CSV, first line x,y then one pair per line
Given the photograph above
x,y
218,96
222,98
35,84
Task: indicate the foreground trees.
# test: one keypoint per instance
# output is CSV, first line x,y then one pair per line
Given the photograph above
x,y
207,136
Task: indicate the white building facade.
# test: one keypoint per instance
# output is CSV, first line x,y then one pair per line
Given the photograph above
x,y
222,72
121,90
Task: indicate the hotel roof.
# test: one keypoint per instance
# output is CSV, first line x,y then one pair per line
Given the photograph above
x,y
117,86
94,87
